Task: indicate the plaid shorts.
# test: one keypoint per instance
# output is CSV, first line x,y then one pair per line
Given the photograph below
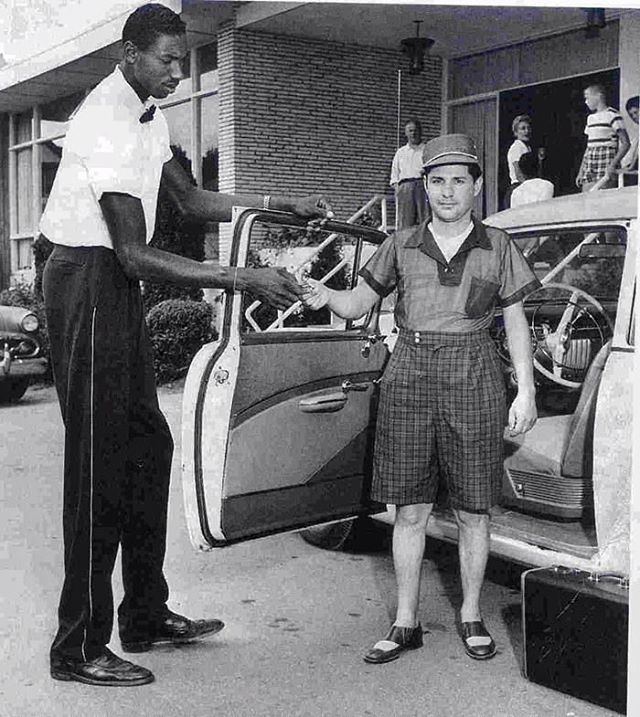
x,y
442,412
596,162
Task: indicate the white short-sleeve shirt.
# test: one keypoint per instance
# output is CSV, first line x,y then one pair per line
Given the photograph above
x,y
517,149
407,163
532,190
107,149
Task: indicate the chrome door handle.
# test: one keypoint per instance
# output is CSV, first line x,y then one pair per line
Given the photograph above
x,y
327,402
349,386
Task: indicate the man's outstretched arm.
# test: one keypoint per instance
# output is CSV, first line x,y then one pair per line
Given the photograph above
x,y
204,206
126,223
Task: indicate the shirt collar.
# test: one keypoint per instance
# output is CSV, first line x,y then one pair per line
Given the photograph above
x,y
127,95
423,239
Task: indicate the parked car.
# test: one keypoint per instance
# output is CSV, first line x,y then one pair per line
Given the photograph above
x,y
20,359
278,413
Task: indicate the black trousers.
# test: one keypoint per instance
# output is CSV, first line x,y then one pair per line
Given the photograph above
x,y
118,450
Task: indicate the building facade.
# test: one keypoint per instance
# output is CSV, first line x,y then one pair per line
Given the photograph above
x,y
295,98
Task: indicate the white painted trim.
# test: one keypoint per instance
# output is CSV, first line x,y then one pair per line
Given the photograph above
x,y
216,419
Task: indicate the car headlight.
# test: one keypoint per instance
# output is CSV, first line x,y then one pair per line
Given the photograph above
x,y
30,323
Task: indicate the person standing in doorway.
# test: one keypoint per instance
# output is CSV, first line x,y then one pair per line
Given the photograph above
x,y
100,217
412,205
521,128
630,160
607,142
442,409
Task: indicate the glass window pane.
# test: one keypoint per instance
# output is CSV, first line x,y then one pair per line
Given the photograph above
x,y
55,115
303,253
208,56
24,253
24,191
210,115
23,131
51,152
179,121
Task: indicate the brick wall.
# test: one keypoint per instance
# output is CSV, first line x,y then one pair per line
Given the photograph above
x,y
299,116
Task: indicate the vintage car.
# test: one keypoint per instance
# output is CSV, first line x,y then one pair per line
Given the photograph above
x,y
278,414
20,361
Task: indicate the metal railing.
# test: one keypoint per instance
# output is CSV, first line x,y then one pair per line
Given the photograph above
x,y
282,315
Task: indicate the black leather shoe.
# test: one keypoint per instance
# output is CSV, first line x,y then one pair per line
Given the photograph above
x,y
479,650
398,640
173,630
107,669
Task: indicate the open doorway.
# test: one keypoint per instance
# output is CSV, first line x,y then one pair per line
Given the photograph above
x,y
558,116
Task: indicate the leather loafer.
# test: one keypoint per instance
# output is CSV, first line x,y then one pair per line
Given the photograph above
x,y
172,630
106,669
397,640
479,650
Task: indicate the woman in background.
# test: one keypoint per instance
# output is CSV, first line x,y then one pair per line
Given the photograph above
x,y
521,128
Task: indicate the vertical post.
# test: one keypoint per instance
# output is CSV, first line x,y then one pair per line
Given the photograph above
x,y
399,108
383,214
13,193
196,119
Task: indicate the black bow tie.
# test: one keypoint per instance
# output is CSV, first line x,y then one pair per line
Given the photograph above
x,y
147,115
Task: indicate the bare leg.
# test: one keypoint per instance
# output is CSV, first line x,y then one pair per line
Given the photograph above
x,y
473,549
408,553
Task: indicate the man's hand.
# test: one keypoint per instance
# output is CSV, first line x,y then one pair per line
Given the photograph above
x,y
523,413
316,295
579,181
314,206
275,286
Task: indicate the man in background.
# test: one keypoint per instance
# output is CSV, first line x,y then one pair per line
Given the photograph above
x,y
532,188
412,205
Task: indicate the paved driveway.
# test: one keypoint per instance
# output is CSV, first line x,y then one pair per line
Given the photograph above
x,y
298,618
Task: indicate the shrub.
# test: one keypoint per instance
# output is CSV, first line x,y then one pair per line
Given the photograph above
x,y
25,297
178,236
177,329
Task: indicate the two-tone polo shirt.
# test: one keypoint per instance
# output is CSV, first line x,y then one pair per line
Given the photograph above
x,y
459,295
602,128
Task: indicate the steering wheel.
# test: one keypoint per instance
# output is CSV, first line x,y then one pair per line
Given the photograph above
x,y
558,346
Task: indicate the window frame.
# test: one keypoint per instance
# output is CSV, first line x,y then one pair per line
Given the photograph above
x,y
35,142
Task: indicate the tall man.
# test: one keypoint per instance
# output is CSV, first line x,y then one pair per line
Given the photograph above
x,y
118,446
607,142
442,402
412,205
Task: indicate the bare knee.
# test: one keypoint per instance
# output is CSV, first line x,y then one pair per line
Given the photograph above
x,y
471,521
413,517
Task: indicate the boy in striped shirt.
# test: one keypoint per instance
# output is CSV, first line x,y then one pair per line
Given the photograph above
x,y
607,142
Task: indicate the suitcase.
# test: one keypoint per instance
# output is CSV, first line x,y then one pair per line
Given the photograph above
x,y
575,627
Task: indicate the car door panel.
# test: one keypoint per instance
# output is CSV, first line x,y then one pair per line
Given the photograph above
x,y
272,439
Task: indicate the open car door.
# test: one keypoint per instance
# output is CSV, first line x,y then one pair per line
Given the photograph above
x,y
278,413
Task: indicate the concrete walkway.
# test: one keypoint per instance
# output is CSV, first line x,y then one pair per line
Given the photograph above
x,y
298,618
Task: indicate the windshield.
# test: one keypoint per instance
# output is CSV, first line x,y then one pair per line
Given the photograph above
x,y
591,260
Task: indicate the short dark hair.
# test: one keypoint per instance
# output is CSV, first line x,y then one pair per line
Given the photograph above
x,y
415,121
633,102
474,170
148,22
528,164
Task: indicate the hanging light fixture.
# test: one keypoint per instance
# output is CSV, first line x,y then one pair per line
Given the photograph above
x,y
415,48
595,21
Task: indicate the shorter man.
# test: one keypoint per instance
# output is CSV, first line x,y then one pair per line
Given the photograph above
x,y
412,205
607,142
533,188
630,161
442,400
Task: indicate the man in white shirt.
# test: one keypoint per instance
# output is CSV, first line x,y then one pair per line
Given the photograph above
x,y
118,446
532,189
412,205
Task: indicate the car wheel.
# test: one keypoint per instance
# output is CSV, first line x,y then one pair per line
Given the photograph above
x,y
354,535
14,390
